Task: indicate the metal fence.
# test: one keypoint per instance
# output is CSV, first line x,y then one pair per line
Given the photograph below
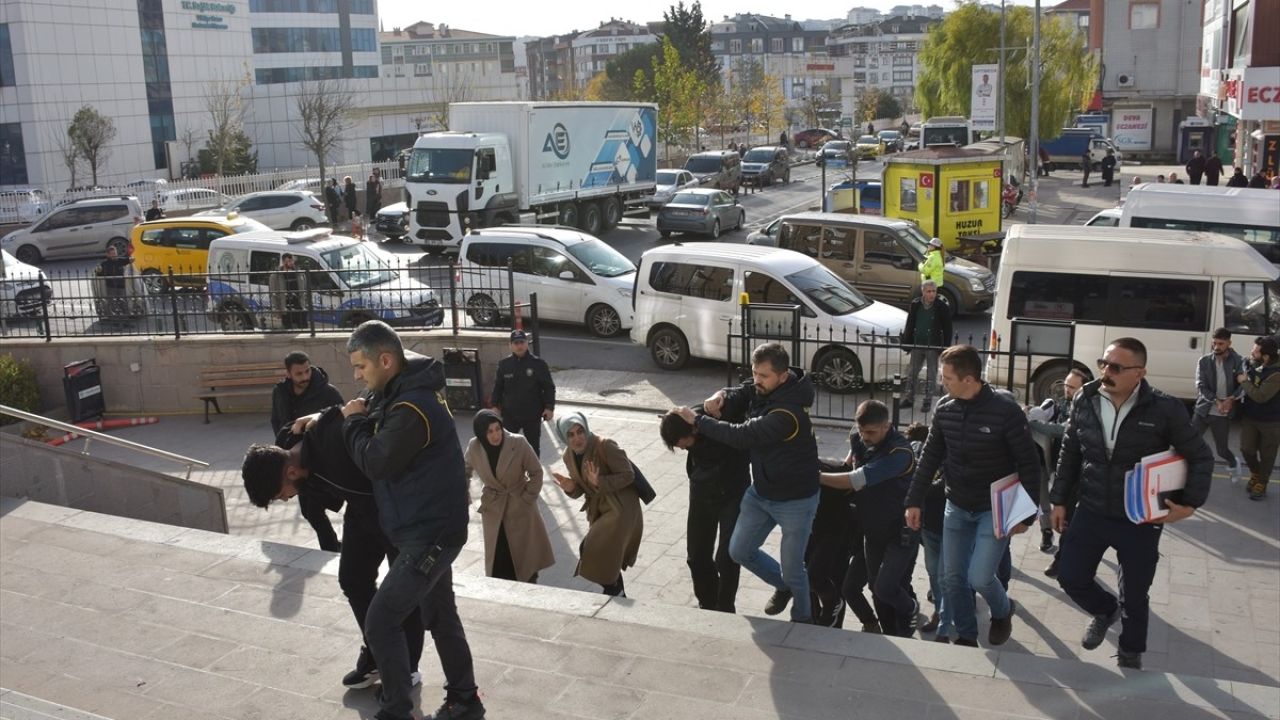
x,y
849,367
231,300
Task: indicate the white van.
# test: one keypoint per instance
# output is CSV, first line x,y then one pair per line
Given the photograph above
x,y
350,281
1169,289
688,299
1249,214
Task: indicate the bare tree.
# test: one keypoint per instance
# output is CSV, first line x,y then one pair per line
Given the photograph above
x,y
91,133
448,85
225,103
325,109
188,139
68,153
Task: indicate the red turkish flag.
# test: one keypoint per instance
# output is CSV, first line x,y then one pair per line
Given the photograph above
x,y
926,180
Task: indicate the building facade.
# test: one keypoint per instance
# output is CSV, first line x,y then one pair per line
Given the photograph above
x,y
1239,102
785,49
883,55
592,50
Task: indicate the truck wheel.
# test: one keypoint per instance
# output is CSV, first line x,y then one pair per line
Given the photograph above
x,y
568,215
669,349
611,212
589,219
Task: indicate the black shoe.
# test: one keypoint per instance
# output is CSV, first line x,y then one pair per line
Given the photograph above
x,y
778,602
967,642
1097,630
1129,660
1052,570
1001,628
365,674
932,625
471,709
873,628
1046,540
943,639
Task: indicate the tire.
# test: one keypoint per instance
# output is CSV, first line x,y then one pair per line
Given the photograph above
x,y
669,349
839,371
28,254
568,215
121,245
301,224
664,233
232,317
611,212
483,310
1006,209
155,281
803,144
786,177
603,321
715,229
589,220
953,302
1047,382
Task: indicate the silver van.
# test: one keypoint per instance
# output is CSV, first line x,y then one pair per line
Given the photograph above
x,y
77,229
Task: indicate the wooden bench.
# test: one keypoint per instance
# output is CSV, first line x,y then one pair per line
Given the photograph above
x,y
247,380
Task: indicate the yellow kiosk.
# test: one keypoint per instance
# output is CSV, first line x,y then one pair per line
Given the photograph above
x,y
950,192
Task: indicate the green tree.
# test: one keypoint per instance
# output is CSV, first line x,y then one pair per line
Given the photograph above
x,y
234,157
967,37
620,72
678,92
91,134
876,103
687,30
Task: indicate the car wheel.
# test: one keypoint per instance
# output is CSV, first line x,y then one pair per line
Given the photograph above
x,y
839,371
611,212
664,233
301,224
742,219
803,144
155,281
121,245
603,321
589,220
568,215
786,177
715,229
669,349
483,310
28,254
1047,382
234,318
953,302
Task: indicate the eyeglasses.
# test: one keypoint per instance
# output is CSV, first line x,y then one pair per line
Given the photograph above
x,y
1116,368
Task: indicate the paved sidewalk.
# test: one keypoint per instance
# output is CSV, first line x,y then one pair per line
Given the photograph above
x,y
137,621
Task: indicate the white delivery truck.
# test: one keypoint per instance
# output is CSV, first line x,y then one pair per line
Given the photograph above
x,y
582,164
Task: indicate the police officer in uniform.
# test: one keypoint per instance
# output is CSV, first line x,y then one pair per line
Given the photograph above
x,y
524,393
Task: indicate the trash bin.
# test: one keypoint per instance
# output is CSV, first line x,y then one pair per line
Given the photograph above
x,y
462,378
82,383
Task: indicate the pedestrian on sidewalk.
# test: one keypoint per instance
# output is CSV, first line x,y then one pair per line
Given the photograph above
x,y
1260,414
516,543
718,476
976,438
304,390
1213,170
1108,168
1049,421
1175,180
312,463
931,525
332,202
1258,181
1238,179
524,393
373,194
1195,167
403,438
927,333
1086,166
600,471
778,438
1117,420
1217,395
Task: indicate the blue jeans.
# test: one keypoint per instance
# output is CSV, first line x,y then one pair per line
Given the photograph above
x,y
932,542
756,520
970,555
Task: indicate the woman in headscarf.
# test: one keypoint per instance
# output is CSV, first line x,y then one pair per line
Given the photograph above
x,y
600,471
516,545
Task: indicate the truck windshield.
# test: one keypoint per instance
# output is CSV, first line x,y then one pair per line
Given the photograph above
x,y
601,259
833,295
440,165
359,266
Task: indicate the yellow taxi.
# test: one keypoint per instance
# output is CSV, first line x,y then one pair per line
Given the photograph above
x,y
867,146
182,243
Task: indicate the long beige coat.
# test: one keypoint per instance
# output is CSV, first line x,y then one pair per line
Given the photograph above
x,y
509,500
614,520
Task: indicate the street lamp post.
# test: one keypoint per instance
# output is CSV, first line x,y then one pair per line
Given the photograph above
x,y
1035,115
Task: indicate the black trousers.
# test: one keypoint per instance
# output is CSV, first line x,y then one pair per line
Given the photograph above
x,y
504,567
312,507
529,426
1138,550
715,575
855,581
889,567
363,548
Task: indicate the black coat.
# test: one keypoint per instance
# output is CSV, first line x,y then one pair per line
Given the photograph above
x,y
332,198
349,196
523,388
1212,170
1238,180
287,407
333,476
716,471
941,334
976,442
1156,422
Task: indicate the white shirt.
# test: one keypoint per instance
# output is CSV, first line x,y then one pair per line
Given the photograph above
x,y
1112,417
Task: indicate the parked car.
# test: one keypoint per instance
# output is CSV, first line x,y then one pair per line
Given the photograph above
x,y
890,140
701,210
578,278
77,229
912,141
182,243
191,199
1107,218
765,165
393,220
24,289
146,189
813,137
22,205
720,169
277,209
314,185
837,154
867,146
767,235
670,181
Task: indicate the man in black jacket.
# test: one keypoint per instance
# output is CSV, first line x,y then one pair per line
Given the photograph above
x,y
977,437
783,451
1195,167
718,476
314,464
306,390
927,332
403,438
1115,422
523,392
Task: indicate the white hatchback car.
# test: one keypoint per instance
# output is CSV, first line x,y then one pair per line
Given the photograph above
x,y
578,278
278,209
191,199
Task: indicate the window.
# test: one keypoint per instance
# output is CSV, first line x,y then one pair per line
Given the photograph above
x,y
959,196
735,46
499,254
902,76
7,77
1058,296
261,265
801,238
981,194
884,248
550,264
1264,239
763,288
797,45
1159,304
421,69
775,45
839,244
757,45
1144,15
700,281
1251,308
13,156
154,237
185,238
318,277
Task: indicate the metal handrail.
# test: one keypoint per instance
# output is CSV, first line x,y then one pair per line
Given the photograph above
x,y
90,435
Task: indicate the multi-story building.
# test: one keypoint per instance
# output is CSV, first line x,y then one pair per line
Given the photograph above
x,y
785,49
593,49
884,55
550,66
1240,83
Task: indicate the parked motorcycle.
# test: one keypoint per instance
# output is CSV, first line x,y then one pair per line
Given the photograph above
x,y
1010,197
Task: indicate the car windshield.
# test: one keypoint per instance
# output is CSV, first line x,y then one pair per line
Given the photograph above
x,y
758,156
601,259
833,295
868,140
916,240
666,177
703,164
359,266
440,165
890,134
688,198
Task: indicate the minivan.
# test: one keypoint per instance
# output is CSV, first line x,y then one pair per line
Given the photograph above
x,y
765,165
79,228
881,257
1073,289
1248,214
578,278
720,169
687,301
351,281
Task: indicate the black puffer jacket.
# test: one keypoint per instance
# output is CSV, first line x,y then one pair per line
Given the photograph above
x,y
1156,422
287,406
976,442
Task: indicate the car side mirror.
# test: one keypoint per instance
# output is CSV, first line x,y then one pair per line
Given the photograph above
x,y
567,275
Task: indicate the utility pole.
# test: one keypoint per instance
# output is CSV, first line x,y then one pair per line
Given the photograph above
x,y
1000,74
1035,115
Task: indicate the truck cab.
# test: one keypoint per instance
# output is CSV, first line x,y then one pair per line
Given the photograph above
x,y
455,181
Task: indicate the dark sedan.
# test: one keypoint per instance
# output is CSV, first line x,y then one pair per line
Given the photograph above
x,y
703,210
393,221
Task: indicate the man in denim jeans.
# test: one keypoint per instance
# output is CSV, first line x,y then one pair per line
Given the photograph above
x,y
783,450
977,437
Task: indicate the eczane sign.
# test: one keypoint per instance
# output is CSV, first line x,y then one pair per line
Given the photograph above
x,y
1255,94
1132,128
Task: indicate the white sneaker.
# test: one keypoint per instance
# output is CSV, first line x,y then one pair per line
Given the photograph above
x,y
1235,474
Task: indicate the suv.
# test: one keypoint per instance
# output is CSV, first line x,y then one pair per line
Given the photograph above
x,y
578,278
24,290
766,165
720,169
182,244
77,229
278,209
